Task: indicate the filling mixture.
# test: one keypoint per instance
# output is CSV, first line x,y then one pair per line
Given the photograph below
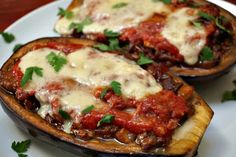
x,y
93,94
185,33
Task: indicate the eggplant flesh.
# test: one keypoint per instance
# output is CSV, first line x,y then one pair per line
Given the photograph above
x,y
194,73
184,141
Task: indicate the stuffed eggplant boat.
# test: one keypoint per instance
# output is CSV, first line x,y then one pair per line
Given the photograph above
x,y
193,37
66,92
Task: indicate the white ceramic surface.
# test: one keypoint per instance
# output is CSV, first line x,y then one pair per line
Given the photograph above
x,y
219,140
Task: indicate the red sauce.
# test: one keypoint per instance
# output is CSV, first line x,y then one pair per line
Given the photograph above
x,y
149,34
64,47
159,113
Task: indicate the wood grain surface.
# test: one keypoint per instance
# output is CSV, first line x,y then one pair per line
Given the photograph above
x,y
11,10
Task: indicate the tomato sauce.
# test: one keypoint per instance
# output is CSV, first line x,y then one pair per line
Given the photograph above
x,y
64,47
160,113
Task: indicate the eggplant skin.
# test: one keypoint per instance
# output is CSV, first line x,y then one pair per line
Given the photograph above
x,y
184,141
193,74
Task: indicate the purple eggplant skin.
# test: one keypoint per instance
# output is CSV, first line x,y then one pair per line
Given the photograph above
x,y
32,123
67,146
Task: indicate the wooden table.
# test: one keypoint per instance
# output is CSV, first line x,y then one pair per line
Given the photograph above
x,y
11,10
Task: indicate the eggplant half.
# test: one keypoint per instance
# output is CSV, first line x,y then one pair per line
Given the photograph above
x,y
24,110
195,38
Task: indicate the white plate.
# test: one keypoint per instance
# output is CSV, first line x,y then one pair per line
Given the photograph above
x,y
219,140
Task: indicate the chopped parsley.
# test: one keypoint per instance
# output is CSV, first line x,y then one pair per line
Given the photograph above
x,y
88,109
56,61
103,93
197,24
119,5
106,119
21,147
110,33
66,13
112,39
102,47
164,1
29,73
8,37
219,21
229,95
114,44
64,114
116,87
17,46
144,60
80,26
206,54
206,16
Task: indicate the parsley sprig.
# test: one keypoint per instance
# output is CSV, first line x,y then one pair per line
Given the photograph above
x,y
116,87
106,119
64,114
66,13
80,26
164,1
206,54
112,39
21,147
29,73
144,60
119,5
88,109
17,46
229,95
217,20
7,37
103,93
56,61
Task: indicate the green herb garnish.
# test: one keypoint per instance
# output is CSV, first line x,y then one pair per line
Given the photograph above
x,y
119,5
8,37
206,16
102,47
106,119
64,114
110,33
219,21
17,46
206,54
103,93
144,60
56,61
29,73
21,147
164,1
116,87
88,109
80,26
113,45
66,13
229,95
197,24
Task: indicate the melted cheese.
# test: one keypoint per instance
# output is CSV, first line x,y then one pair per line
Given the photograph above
x,y
187,38
104,16
92,68
178,29
86,70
